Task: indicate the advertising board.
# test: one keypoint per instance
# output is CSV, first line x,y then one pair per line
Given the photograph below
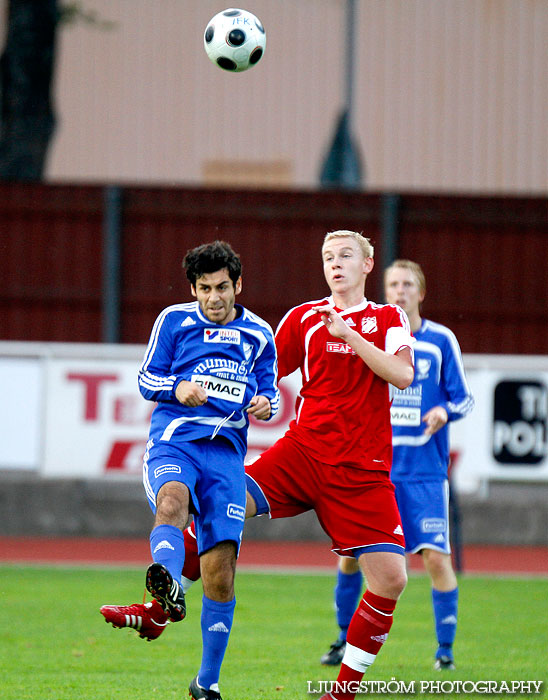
x,y
75,410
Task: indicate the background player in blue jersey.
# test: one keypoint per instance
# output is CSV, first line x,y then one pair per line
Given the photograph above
x,y
208,365
420,414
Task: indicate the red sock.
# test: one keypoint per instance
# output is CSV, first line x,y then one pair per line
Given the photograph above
x,y
367,633
191,567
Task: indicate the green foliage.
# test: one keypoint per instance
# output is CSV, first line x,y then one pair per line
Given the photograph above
x,y
55,644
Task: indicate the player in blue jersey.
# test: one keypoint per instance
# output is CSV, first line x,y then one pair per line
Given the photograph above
x,y
420,414
209,365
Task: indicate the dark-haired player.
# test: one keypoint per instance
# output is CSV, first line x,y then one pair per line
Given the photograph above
x,y
209,365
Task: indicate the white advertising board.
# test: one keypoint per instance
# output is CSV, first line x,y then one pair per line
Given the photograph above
x,y
506,436
20,412
97,421
75,410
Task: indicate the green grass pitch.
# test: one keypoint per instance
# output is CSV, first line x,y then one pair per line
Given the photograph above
x,y
55,644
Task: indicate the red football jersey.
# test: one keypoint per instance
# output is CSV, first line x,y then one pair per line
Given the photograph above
x,y
343,409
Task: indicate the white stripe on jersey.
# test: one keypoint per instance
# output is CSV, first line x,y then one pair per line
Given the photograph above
x,y
307,339
263,342
318,302
146,482
298,415
398,338
257,319
401,313
310,313
468,404
261,337
433,349
201,420
156,383
464,407
411,440
359,307
153,342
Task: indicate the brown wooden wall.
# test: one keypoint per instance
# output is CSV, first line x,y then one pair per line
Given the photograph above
x,y
485,259
50,252
486,266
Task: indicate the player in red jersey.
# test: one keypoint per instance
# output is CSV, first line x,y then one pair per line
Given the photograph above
x,y
336,455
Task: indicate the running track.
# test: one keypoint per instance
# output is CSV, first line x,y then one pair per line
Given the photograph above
x,y
284,556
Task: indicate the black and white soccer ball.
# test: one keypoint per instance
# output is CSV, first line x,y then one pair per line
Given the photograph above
x,y
234,40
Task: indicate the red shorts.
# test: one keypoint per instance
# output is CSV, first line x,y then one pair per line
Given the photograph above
x,y
355,507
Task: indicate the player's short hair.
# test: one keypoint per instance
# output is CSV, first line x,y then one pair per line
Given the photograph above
x,y
211,257
365,244
413,267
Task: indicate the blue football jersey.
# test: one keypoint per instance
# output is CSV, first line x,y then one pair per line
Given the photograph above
x,y
439,381
232,362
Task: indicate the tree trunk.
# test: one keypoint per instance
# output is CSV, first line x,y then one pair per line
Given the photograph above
x,y
26,72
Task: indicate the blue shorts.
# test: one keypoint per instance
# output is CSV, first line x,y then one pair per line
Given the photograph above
x,y
214,473
424,510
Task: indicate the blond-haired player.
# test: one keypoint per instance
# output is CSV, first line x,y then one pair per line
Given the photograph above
x,y
420,416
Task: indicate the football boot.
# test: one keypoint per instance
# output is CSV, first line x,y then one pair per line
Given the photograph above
x,y
149,619
198,693
334,656
167,591
444,663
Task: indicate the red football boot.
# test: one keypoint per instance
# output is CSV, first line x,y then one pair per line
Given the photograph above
x,y
149,619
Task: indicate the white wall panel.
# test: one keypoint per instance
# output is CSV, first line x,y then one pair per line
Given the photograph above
x,y
450,95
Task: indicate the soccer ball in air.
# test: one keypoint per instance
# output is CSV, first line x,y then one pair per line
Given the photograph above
x,y
234,40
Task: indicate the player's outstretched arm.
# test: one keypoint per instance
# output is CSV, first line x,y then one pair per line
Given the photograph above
x,y
396,369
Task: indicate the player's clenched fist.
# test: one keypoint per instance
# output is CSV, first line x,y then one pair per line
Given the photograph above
x,y
435,419
260,408
190,394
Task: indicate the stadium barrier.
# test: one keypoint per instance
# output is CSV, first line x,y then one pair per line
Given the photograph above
x,y
76,426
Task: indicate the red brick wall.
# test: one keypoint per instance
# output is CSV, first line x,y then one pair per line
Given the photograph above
x,y
485,259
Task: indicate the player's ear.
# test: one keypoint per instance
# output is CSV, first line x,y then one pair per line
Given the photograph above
x,y
193,290
368,265
238,286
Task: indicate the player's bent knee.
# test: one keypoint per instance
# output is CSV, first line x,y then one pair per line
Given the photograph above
x,y
172,504
390,587
385,573
390,584
399,584
440,568
348,565
394,582
218,567
250,506
219,590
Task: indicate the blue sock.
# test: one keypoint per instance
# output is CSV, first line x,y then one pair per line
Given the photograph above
x,y
445,605
167,546
216,625
347,596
